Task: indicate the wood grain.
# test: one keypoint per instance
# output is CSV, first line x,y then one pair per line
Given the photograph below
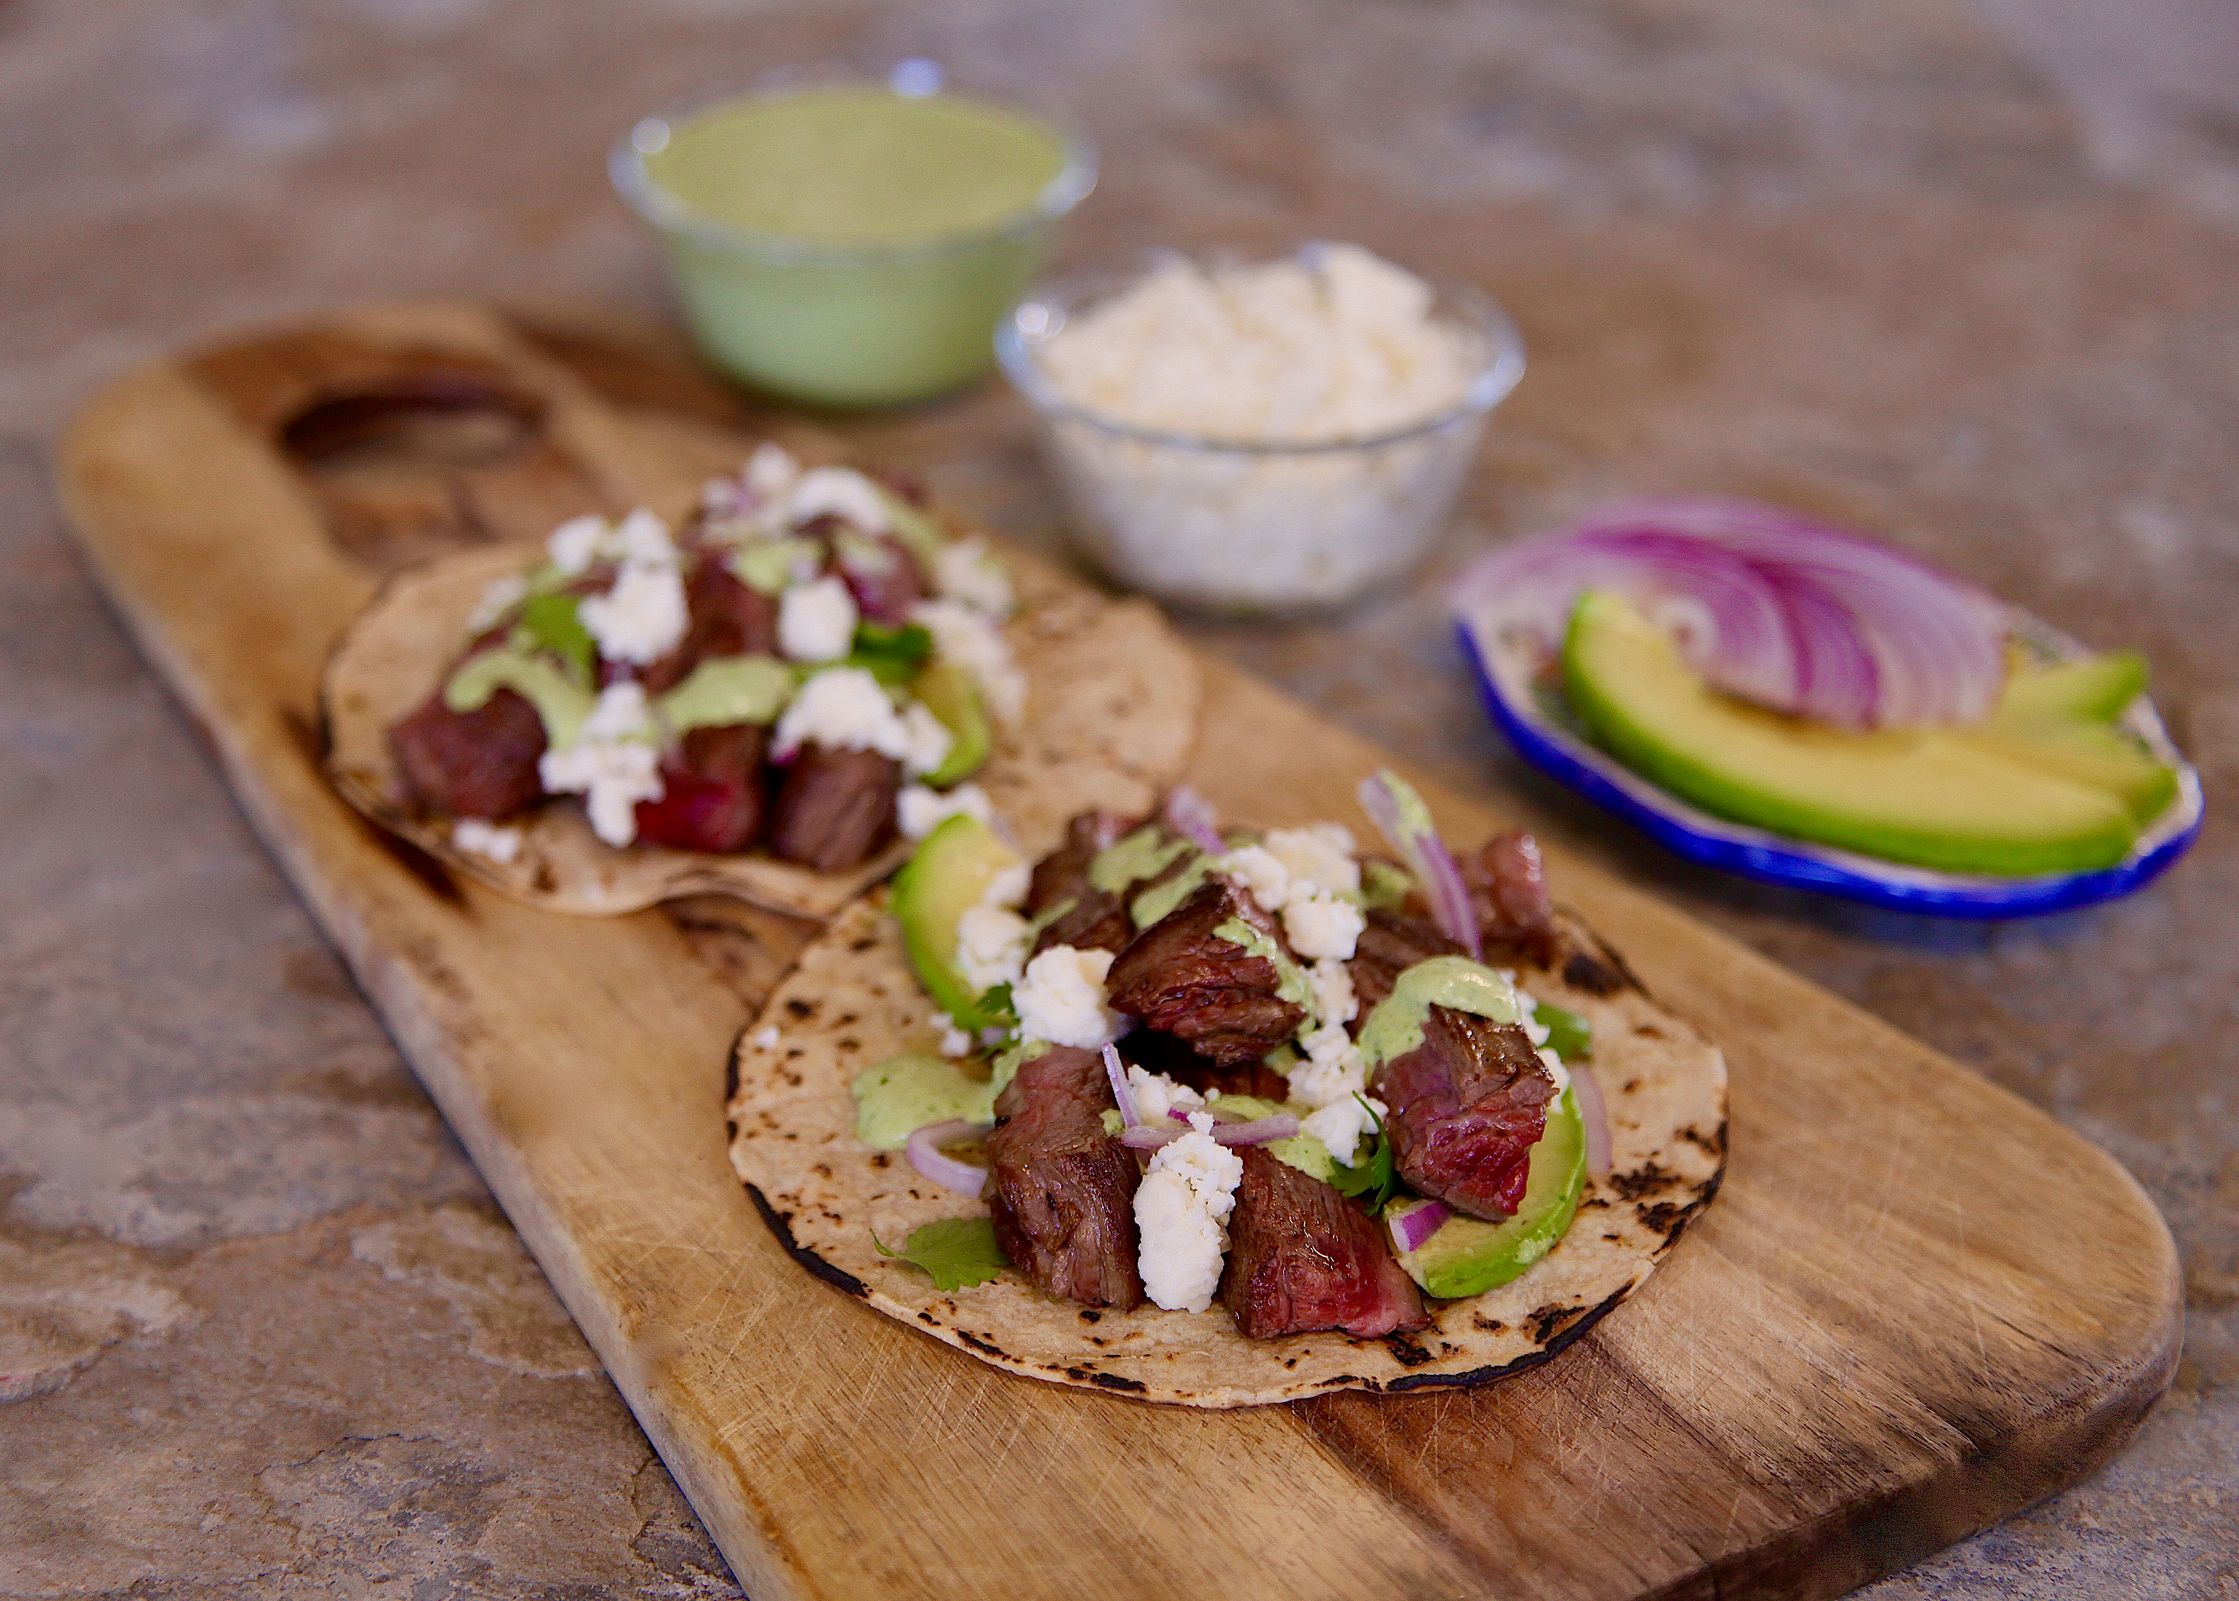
x,y
1918,1305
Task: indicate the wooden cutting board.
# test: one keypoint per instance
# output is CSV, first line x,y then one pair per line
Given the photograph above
x,y
1918,1305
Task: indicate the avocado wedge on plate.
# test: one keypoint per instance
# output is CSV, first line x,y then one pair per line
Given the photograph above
x,y
1930,797
2114,802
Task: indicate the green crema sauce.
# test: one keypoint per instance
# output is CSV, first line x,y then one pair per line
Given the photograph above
x,y
895,1097
1139,856
1384,886
1454,982
1160,899
728,689
766,565
561,703
859,166
1291,982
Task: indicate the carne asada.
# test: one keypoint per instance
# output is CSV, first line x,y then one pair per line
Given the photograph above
x,y
1259,1070
789,599
1061,1188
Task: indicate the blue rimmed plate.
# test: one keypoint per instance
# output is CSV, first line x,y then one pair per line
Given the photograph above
x,y
1512,678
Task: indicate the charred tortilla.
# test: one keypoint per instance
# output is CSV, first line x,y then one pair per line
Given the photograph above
x,y
853,1000
1111,709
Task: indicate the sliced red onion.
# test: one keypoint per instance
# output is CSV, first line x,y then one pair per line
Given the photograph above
x,y
1190,815
1768,606
1415,1224
1259,1131
924,1151
1388,800
1123,1093
1593,1112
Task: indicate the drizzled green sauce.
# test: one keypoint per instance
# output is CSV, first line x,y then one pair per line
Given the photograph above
x,y
1454,982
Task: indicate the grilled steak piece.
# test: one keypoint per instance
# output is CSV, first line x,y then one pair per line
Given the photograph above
x,y
1086,917
1063,874
834,807
711,792
1181,978
1389,945
1301,1257
723,618
471,764
1095,921
1467,1106
1507,884
879,571
1061,1190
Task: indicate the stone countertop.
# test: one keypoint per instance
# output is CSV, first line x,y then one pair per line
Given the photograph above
x,y
1966,272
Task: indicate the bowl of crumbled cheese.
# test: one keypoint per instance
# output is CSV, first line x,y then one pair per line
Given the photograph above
x,y
1260,436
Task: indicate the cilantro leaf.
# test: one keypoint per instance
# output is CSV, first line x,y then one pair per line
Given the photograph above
x,y
553,623
997,1007
892,654
1371,1180
1569,1036
956,1252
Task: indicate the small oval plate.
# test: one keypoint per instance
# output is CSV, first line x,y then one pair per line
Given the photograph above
x,y
1511,678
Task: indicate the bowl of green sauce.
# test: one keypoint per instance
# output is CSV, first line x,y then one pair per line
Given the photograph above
x,y
852,242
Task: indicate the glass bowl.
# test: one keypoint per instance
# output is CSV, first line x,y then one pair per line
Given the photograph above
x,y
875,325
1255,528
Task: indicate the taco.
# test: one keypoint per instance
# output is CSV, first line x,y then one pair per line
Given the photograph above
x,y
768,701
1223,1118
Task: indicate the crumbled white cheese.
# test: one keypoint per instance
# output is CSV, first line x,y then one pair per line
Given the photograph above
x,y
1181,1209
1261,873
1326,346
930,741
977,645
1060,998
642,616
1319,857
1334,1000
613,764
498,841
840,492
965,572
842,708
574,545
816,621
1332,1075
500,597
644,539
991,937
1342,1125
769,472
1329,1069
919,810
1157,1096
1322,927
954,1041
1009,886
991,946
1332,344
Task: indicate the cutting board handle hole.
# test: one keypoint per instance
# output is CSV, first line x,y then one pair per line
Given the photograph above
x,y
426,424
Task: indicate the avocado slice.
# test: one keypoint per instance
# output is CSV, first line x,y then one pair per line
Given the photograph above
x,y
2095,689
1923,796
2089,753
948,692
946,877
1468,1255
